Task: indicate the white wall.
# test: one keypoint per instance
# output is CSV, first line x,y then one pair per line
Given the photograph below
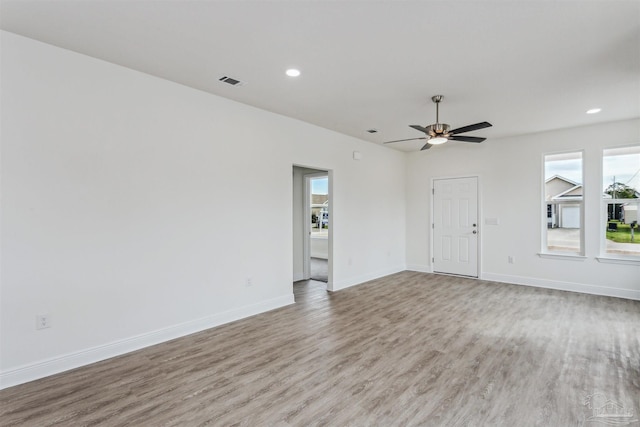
x,y
511,177
129,208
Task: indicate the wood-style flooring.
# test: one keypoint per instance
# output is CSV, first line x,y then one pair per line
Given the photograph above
x,y
410,349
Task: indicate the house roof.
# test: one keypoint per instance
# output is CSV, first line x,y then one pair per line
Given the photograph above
x,y
371,64
561,178
560,188
319,199
573,192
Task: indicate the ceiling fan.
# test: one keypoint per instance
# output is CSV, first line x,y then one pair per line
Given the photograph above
x,y
439,133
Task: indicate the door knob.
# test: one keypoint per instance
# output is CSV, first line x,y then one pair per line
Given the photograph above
x,y
475,232
474,225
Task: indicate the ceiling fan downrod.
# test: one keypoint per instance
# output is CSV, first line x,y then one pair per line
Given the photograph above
x,y
438,131
437,99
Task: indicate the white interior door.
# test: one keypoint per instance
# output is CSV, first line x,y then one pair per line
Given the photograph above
x,y
455,226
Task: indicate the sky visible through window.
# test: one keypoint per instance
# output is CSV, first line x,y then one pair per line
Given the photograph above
x,y
623,167
320,185
566,165
571,169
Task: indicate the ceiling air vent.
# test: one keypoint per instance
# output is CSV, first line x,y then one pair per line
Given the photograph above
x,y
231,81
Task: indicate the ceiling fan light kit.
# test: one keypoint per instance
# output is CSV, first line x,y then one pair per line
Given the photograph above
x,y
437,140
439,133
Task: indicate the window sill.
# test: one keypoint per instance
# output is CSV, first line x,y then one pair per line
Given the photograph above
x,y
627,261
570,257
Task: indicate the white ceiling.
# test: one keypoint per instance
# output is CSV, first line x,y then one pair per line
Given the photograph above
x,y
525,66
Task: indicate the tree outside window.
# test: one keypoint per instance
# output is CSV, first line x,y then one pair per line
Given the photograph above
x,y
621,199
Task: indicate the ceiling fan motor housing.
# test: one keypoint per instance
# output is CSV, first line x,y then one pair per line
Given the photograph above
x,y
438,129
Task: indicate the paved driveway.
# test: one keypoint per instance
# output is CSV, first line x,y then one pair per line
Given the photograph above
x,y
568,239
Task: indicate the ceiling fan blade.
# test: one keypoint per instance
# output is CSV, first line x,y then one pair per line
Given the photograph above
x,y
426,146
466,138
400,140
420,128
469,128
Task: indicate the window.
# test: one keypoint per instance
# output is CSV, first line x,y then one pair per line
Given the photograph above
x,y
621,199
563,204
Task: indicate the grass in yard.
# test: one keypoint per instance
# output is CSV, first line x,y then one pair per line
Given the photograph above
x,y
623,234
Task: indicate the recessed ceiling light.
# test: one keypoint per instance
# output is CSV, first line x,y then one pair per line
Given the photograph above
x,y
594,110
292,72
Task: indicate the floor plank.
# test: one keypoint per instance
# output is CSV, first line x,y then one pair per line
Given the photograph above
x,y
407,349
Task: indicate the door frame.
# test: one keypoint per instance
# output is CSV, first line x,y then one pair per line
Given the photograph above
x,y
480,221
306,210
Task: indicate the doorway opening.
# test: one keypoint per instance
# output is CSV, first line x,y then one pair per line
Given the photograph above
x,y
312,231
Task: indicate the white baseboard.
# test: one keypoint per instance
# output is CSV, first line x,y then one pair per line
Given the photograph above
x,y
353,281
298,277
563,286
44,368
74,360
422,268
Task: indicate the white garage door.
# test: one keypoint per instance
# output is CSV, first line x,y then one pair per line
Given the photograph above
x,y
570,217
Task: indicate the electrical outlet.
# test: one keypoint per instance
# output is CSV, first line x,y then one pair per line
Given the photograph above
x,y
248,282
43,321
511,259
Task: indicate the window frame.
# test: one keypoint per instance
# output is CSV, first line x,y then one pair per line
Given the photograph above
x,y
557,254
605,256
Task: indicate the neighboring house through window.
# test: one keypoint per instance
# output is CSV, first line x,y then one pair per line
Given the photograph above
x,y
563,197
